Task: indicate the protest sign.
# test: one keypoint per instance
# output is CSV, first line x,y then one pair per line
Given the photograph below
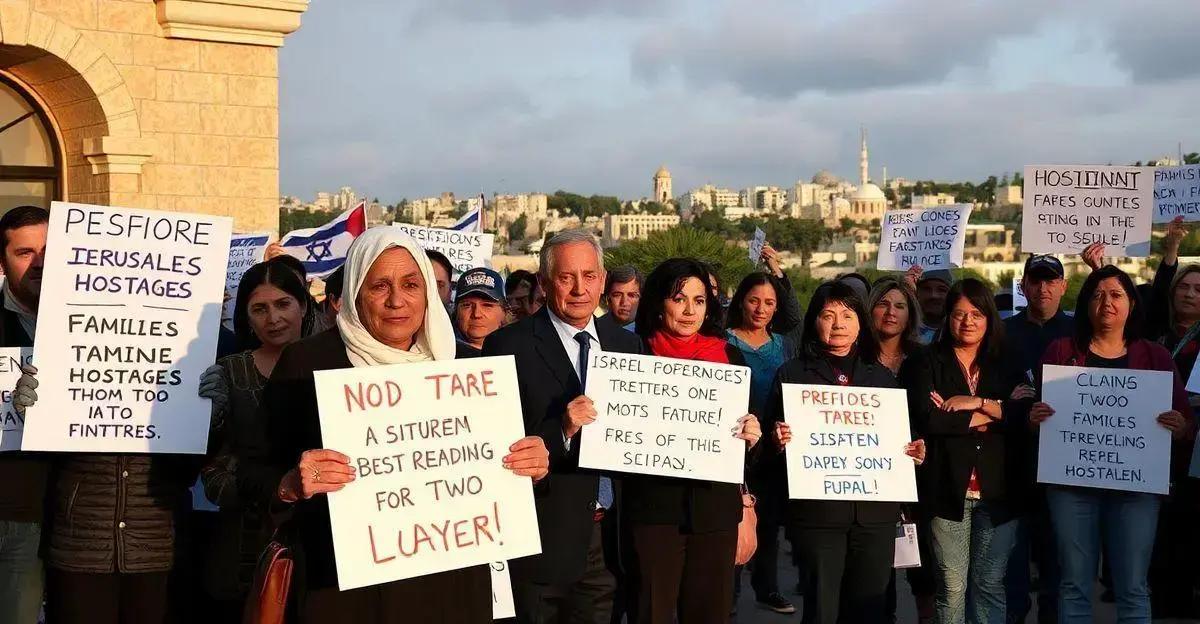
x,y
466,250
245,251
756,245
848,444
1067,208
1177,193
1103,432
502,596
932,238
431,493
12,424
666,417
1018,292
130,308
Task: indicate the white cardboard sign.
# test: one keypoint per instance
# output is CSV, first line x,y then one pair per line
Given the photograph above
x,y
503,606
666,417
128,320
1018,292
245,251
848,444
1067,208
1103,432
466,250
12,425
932,238
431,494
1177,193
756,245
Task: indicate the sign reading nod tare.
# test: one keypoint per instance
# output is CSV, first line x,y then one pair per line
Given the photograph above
x,y
848,444
666,417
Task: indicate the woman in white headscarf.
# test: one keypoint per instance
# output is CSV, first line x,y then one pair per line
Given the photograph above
x,y
391,314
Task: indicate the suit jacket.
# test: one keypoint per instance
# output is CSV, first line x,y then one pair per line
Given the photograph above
x,y
999,456
809,370
548,382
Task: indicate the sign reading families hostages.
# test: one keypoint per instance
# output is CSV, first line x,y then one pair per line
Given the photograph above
x,y
130,304
431,493
1068,208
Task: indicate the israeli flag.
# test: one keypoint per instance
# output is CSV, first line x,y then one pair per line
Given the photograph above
x,y
470,222
323,249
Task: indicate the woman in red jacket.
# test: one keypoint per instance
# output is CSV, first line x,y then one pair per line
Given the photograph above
x,y
1108,322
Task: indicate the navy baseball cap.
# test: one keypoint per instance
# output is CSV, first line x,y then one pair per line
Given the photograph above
x,y
480,281
1044,267
942,275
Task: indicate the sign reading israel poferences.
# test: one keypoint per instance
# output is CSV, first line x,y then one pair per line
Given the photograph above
x,y
666,417
1104,431
848,444
12,424
1070,207
431,492
130,307
1177,193
466,250
932,238
245,251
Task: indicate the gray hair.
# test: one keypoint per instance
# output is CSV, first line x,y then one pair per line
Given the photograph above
x,y
566,237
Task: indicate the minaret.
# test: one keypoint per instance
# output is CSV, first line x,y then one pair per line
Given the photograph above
x,y
862,158
884,177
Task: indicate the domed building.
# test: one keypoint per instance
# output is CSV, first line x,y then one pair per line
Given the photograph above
x,y
662,186
868,202
824,178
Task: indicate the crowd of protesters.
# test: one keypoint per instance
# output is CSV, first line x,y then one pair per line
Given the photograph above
x,y
114,538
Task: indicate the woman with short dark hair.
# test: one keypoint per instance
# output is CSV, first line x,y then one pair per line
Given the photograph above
x,y
1108,325
971,487
846,547
685,531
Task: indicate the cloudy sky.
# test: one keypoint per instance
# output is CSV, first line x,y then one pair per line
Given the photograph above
x,y
409,98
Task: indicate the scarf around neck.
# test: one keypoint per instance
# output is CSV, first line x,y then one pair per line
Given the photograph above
x,y
435,338
694,347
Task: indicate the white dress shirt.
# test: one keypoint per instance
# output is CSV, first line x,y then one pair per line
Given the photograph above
x,y
566,333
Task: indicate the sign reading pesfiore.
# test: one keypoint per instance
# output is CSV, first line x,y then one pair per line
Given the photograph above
x,y
666,417
431,494
128,320
1104,431
848,444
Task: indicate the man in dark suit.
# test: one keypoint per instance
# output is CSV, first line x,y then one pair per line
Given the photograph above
x,y
573,580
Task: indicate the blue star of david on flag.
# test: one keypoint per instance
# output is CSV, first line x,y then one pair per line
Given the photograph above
x,y
318,250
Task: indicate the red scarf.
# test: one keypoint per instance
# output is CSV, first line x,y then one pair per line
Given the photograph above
x,y
694,347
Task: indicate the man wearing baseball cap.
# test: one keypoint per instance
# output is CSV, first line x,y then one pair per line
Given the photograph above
x,y
479,308
1030,331
932,288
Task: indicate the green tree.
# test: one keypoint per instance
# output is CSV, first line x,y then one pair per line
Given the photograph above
x,y
290,220
729,262
516,229
1191,159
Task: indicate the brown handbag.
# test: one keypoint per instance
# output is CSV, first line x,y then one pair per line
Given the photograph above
x,y
268,599
747,539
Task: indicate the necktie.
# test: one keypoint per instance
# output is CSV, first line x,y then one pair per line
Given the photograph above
x,y
604,493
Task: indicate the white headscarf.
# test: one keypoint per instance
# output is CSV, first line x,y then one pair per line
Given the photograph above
x,y
435,338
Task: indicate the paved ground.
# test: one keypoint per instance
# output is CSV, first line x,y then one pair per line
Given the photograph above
x,y
906,612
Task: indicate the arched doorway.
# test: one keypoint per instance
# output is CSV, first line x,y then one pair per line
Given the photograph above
x,y
31,169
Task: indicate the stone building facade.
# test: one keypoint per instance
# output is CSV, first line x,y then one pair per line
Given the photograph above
x,y
161,104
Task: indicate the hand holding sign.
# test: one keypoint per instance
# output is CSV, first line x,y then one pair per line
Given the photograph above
x,y
749,430
528,457
580,411
25,395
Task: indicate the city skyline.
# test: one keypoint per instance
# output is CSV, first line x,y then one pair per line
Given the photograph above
x,y
412,99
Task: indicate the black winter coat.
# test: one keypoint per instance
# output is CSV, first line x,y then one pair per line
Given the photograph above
x,y
823,513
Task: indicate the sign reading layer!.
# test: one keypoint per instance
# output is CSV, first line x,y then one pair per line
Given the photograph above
x,y
848,444
1070,207
932,238
466,250
130,306
12,425
431,494
1103,432
666,417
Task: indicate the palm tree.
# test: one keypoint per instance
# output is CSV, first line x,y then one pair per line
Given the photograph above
x,y
728,261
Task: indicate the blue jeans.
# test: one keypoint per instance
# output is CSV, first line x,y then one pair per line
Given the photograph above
x,y
1127,522
1035,541
971,558
21,573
